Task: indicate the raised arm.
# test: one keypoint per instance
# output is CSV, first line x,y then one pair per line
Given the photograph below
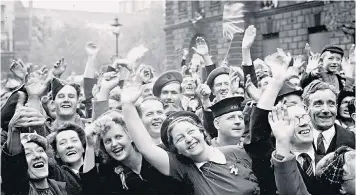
x,y
287,176
154,154
247,66
13,160
278,63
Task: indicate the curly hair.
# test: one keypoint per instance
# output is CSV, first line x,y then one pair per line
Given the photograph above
x,y
315,86
102,125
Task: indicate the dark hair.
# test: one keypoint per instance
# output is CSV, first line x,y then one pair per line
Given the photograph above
x,y
68,127
139,106
351,106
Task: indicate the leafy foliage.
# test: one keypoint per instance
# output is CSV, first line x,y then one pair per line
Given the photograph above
x,y
340,16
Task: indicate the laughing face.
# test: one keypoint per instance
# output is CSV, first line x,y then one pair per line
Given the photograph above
x,y
188,86
117,143
170,93
230,124
302,130
37,161
343,109
66,101
69,147
322,109
221,86
152,115
188,139
331,61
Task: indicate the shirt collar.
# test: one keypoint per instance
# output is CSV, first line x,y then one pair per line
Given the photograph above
x,y
327,134
310,152
215,156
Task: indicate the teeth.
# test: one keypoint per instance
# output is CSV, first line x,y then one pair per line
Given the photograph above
x,y
118,150
38,165
192,146
304,132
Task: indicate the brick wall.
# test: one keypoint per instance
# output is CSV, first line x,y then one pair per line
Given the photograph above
x,y
291,20
293,23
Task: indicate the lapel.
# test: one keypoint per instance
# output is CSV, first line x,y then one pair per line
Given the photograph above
x,y
343,137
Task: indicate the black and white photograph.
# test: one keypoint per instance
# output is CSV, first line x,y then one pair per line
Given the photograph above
x,y
171,97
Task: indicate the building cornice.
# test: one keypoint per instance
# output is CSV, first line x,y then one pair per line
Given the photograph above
x,y
257,14
288,8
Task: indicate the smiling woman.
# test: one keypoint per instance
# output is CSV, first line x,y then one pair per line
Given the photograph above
x,y
120,162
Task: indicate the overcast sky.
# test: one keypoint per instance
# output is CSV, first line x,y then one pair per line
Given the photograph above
x,y
110,6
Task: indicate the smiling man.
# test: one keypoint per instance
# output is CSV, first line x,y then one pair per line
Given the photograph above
x,y
167,88
229,121
219,83
66,98
151,111
320,100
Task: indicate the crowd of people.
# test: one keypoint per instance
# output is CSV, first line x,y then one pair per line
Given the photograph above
x,y
283,125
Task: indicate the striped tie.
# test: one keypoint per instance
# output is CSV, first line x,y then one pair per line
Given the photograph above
x,y
307,164
320,145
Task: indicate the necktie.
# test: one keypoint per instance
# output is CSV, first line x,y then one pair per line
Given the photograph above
x,y
307,164
320,145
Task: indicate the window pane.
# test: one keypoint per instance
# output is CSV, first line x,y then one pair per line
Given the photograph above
x,y
269,46
318,40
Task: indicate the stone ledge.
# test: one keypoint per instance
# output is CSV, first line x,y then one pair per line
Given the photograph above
x,y
288,8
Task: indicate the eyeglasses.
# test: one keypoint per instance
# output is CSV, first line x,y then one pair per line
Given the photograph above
x,y
305,117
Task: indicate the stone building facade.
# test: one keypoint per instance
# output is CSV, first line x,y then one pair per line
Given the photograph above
x,y
288,25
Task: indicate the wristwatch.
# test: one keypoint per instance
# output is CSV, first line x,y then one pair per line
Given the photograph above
x,y
278,157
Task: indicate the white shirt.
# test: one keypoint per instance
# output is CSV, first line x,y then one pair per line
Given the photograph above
x,y
311,154
327,134
215,155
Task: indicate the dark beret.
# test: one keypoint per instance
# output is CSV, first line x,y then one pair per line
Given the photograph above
x,y
9,108
172,117
227,105
57,85
333,49
164,79
287,89
216,72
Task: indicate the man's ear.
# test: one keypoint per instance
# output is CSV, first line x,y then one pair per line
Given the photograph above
x,y
353,116
216,123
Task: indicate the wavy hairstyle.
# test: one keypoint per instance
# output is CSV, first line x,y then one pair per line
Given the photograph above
x,y
102,125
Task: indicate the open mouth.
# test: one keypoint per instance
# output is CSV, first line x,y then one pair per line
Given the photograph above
x,y
157,124
192,146
224,93
118,151
70,153
189,87
66,106
325,117
304,132
38,165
